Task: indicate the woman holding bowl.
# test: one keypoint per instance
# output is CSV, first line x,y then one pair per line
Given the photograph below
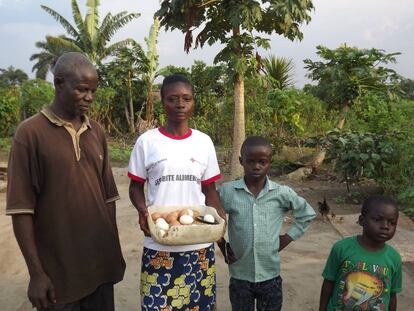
x,y
179,165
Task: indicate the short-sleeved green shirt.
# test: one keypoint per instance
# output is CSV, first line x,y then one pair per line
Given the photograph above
x,y
364,280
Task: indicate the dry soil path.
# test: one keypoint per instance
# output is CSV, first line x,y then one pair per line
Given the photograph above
x,y
302,261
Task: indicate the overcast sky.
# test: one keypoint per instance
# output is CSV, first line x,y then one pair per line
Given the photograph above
x,y
383,24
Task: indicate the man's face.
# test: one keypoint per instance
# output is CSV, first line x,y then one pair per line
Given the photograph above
x,y
77,90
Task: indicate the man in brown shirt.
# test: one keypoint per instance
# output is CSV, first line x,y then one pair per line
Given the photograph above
x,y
61,195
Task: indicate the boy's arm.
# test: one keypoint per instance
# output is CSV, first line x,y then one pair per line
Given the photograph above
x,y
227,252
393,302
302,213
326,293
284,240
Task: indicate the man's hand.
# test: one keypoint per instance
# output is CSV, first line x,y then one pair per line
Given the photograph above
x,y
41,291
143,221
227,252
284,240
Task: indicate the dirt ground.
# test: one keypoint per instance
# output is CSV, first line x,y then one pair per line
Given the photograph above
x,y
302,261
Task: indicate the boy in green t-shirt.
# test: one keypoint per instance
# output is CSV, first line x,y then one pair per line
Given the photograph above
x,y
363,272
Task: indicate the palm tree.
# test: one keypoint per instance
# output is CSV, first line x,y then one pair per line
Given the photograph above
x,y
47,58
12,76
278,72
88,36
124,73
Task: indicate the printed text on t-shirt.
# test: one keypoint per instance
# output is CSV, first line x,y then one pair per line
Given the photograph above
x,y
177,177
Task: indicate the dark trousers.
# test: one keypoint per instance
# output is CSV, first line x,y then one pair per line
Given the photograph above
x,y
268,295
102,299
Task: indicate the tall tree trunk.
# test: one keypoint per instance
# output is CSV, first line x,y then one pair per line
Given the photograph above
x,y
239,132
341,121
131,120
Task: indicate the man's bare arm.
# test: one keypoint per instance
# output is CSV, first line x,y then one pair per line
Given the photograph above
x,y
41,291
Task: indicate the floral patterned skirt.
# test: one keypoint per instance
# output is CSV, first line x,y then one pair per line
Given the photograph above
x,y
178,281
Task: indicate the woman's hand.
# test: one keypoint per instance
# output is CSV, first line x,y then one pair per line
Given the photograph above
x,y
143,221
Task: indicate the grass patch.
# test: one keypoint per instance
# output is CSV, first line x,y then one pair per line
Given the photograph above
x,y
5,144
119,152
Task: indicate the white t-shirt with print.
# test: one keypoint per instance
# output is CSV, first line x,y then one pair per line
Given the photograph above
x,y
174,168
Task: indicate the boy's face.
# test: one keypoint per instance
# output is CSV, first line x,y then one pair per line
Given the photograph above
x,y
379,223
256,162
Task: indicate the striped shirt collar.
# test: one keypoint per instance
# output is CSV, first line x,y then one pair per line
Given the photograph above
x,y
269,185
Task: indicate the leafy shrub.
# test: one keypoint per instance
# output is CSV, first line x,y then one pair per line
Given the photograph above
x,y
10,98
293,115
358,154
5,144
36,94
119,151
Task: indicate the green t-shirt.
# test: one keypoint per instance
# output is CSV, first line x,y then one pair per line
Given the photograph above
x,y
364,280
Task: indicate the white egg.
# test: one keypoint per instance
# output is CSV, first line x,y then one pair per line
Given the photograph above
x,y
160,223
186,220
209,218
162,233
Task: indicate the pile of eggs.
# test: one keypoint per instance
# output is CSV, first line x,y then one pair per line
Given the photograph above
x,y
163,221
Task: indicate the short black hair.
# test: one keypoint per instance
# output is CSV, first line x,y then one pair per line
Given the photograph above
x,y
253,141
174,78
374,201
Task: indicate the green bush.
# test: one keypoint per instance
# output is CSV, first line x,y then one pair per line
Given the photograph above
x,y
5,144
381,115
120,151
359,154
36,94
10,99
293,116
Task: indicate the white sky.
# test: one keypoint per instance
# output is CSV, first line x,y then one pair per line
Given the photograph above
x,y
383,24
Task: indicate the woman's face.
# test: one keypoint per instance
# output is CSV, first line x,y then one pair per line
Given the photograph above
x,y
178,102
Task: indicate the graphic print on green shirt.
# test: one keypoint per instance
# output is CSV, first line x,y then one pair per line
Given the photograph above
x,y
364,280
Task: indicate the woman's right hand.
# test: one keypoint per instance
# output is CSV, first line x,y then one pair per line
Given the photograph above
x,y
143,221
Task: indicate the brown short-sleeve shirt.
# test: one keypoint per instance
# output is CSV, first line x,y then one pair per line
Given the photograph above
x,y
64,179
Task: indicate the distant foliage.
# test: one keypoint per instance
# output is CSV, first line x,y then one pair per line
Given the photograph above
x,y
407,88
357,155
36,94
10,99
345,73
294,115
12,76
